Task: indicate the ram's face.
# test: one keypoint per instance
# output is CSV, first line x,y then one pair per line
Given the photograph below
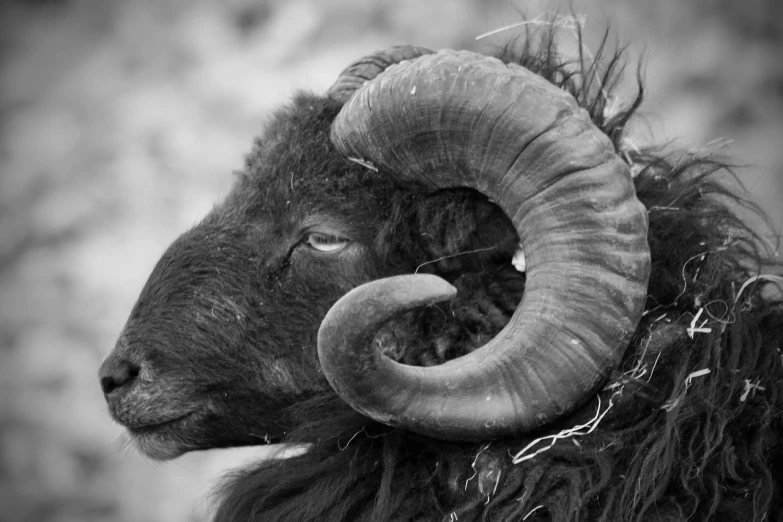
x,y
222,338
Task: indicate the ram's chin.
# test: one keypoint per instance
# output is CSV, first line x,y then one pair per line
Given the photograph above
x,y
164,441
156,447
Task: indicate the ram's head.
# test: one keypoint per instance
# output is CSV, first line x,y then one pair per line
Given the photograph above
x,y
414,165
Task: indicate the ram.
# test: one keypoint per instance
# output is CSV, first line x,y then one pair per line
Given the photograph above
x,y
454,283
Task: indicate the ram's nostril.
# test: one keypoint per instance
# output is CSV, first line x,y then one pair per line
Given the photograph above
x,y
116,373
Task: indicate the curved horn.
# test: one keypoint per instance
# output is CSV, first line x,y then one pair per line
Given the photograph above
x,y
458,119
367,68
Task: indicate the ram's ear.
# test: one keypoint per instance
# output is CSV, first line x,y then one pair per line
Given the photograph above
x,y
463,230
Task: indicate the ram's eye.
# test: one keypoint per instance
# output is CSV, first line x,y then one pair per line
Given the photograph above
x,y
326,242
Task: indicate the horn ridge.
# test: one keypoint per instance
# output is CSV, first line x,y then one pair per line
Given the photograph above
x,y
367,68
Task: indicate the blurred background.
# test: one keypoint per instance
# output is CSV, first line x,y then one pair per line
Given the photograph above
x,y
120,124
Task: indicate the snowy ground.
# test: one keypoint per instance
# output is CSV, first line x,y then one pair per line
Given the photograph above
x,y
120,124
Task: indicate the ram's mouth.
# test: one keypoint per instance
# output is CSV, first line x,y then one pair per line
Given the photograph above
x,y
159,426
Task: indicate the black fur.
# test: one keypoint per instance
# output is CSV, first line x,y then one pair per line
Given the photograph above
x,y
227,326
